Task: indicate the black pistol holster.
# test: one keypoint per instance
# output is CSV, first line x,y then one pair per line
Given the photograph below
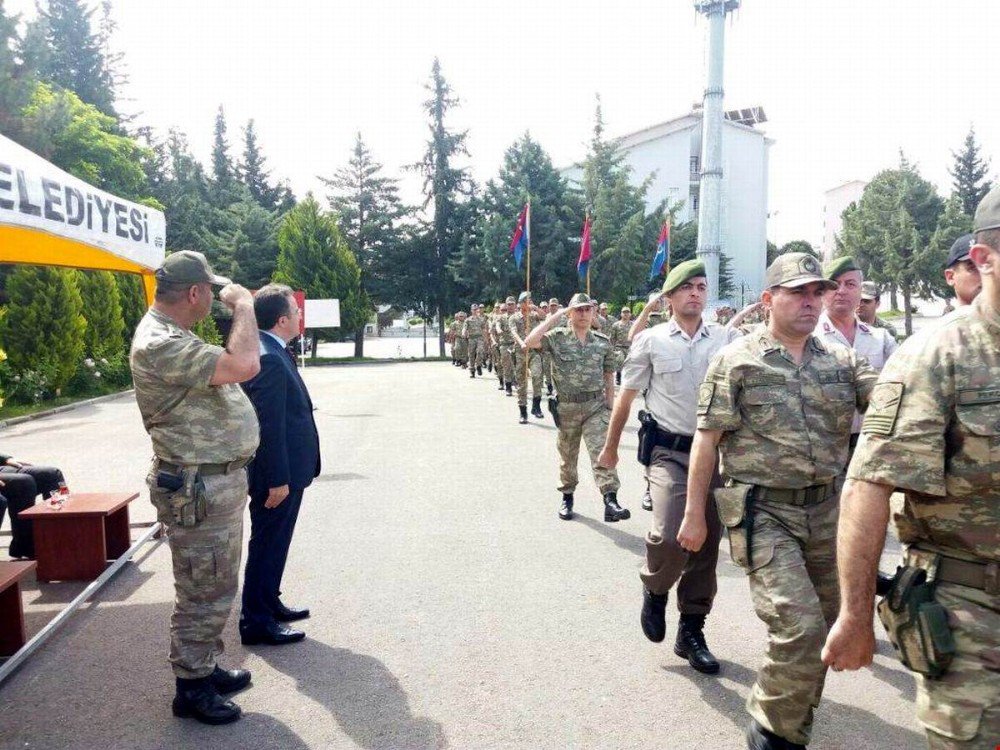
x,y
554,409
184,495
647,437
735,506
917,625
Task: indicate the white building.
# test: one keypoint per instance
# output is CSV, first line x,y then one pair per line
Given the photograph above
x,y
671,152
836,200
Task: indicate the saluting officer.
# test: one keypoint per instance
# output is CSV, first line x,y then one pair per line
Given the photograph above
x,y
204,431
777,405
932,431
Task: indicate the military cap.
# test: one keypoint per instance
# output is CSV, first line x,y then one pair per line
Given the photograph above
x,y
869,290
580,300
510,301
683,272
188,267
988,212
795,269
960,250
840,266
553,301
460,313
524,297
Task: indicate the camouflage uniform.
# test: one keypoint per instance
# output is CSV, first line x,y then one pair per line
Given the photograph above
x,y
460,347
473,330
785,430
506,345
578,370
515,323
193,424
618,335
933,431
656,318
880,323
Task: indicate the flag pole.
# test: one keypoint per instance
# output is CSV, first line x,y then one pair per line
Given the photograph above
x,y
527,319
527,229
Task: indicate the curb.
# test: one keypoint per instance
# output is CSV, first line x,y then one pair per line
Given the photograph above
x,y
59,409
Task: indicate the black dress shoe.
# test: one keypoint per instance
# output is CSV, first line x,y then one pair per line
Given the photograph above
x,y
229,680
289,614
690,644
653,618
199,700
274,634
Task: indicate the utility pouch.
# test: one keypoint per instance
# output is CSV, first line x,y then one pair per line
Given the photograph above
x,y
735,506
554,409
186,500
917,625
647,437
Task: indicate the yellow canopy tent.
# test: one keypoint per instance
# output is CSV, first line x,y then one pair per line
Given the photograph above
x,y
50,218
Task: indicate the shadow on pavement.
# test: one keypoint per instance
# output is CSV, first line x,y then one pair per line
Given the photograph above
x,y
364,697
626,541
835,725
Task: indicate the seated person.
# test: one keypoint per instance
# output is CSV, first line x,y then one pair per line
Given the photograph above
x,y
20,484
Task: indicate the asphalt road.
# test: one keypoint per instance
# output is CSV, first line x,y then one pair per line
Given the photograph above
x,y
451,607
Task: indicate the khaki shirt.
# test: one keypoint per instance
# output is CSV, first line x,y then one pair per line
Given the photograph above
x,y
504,336
874,344
670,366
933,431
618,333
578,367
784,425
189,421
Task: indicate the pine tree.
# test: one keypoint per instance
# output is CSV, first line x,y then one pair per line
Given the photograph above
x,y
253,173
16,82
207,331
223,172
104,335
952,224
969,174
368,213
255,245
315,258
43,329
75,59
133,303
444,187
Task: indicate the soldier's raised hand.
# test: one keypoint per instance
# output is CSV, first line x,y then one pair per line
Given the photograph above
x,y
232,294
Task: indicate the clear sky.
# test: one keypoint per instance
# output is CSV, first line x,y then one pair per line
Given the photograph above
x,y
845,83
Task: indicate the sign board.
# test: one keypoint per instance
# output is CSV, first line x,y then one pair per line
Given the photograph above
x,y
36,195
322,313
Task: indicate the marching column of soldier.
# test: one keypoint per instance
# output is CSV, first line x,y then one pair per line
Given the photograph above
x,y
751,428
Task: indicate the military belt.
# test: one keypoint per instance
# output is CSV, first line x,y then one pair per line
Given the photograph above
x,y
812,495
207,470
579,398
673,441
984,576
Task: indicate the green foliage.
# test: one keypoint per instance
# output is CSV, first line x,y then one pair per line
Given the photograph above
x,y
16,82
207,331
253,173
223,171
43,329
799,246
132,297
954,222
104,335
314,257
968,174
255,245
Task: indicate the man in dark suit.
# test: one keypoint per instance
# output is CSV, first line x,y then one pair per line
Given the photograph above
x,y
286,463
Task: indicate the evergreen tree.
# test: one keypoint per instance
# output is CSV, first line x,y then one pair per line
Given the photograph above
x,y
255,245
368,213
444,186
223,172
799,246
43,329
952,224
207,331
104,334
253,173
969,174
75,59
16,83
133,303
315,258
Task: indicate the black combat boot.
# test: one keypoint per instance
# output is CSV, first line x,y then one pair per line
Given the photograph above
x,y
229,680
500,387
690,644
652,618
612,510
647,500
489,365
472,372
548,387
198,699
536,407
509,387
759,738
479,370
566,509
523,408
618,377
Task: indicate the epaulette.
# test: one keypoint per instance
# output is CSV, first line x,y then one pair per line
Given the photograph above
x,y
601,335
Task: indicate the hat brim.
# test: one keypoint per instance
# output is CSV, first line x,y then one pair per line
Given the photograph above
x,y
580,304
219,281
958,260
804,280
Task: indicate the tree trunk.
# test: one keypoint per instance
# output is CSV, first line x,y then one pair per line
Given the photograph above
x,y
893,302
907,317
359,342
440,317
315,344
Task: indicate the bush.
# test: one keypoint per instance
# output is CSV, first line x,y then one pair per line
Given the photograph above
x,y
416,321
207,331
104,336
29,387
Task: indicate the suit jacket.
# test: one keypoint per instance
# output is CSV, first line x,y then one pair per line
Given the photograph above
x,y
289,443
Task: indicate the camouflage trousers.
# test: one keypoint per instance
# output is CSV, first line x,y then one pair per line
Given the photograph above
x,y
460,349
793,582
507,362
546,367
477,351
961,710
534,373
206,562
497,360
589,421
667,562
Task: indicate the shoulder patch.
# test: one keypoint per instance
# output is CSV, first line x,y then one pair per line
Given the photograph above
x,y
883,407
968,396
705,395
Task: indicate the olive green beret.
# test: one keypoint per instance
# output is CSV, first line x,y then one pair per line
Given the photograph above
x,y
524,297
683,272
839,266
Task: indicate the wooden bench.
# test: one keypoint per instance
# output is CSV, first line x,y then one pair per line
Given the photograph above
x,y
12,635
74,542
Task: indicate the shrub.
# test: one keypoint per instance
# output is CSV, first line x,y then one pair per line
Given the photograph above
x,y
104,335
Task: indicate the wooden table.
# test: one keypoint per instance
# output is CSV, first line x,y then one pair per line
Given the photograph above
x,y
75,542
12,635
